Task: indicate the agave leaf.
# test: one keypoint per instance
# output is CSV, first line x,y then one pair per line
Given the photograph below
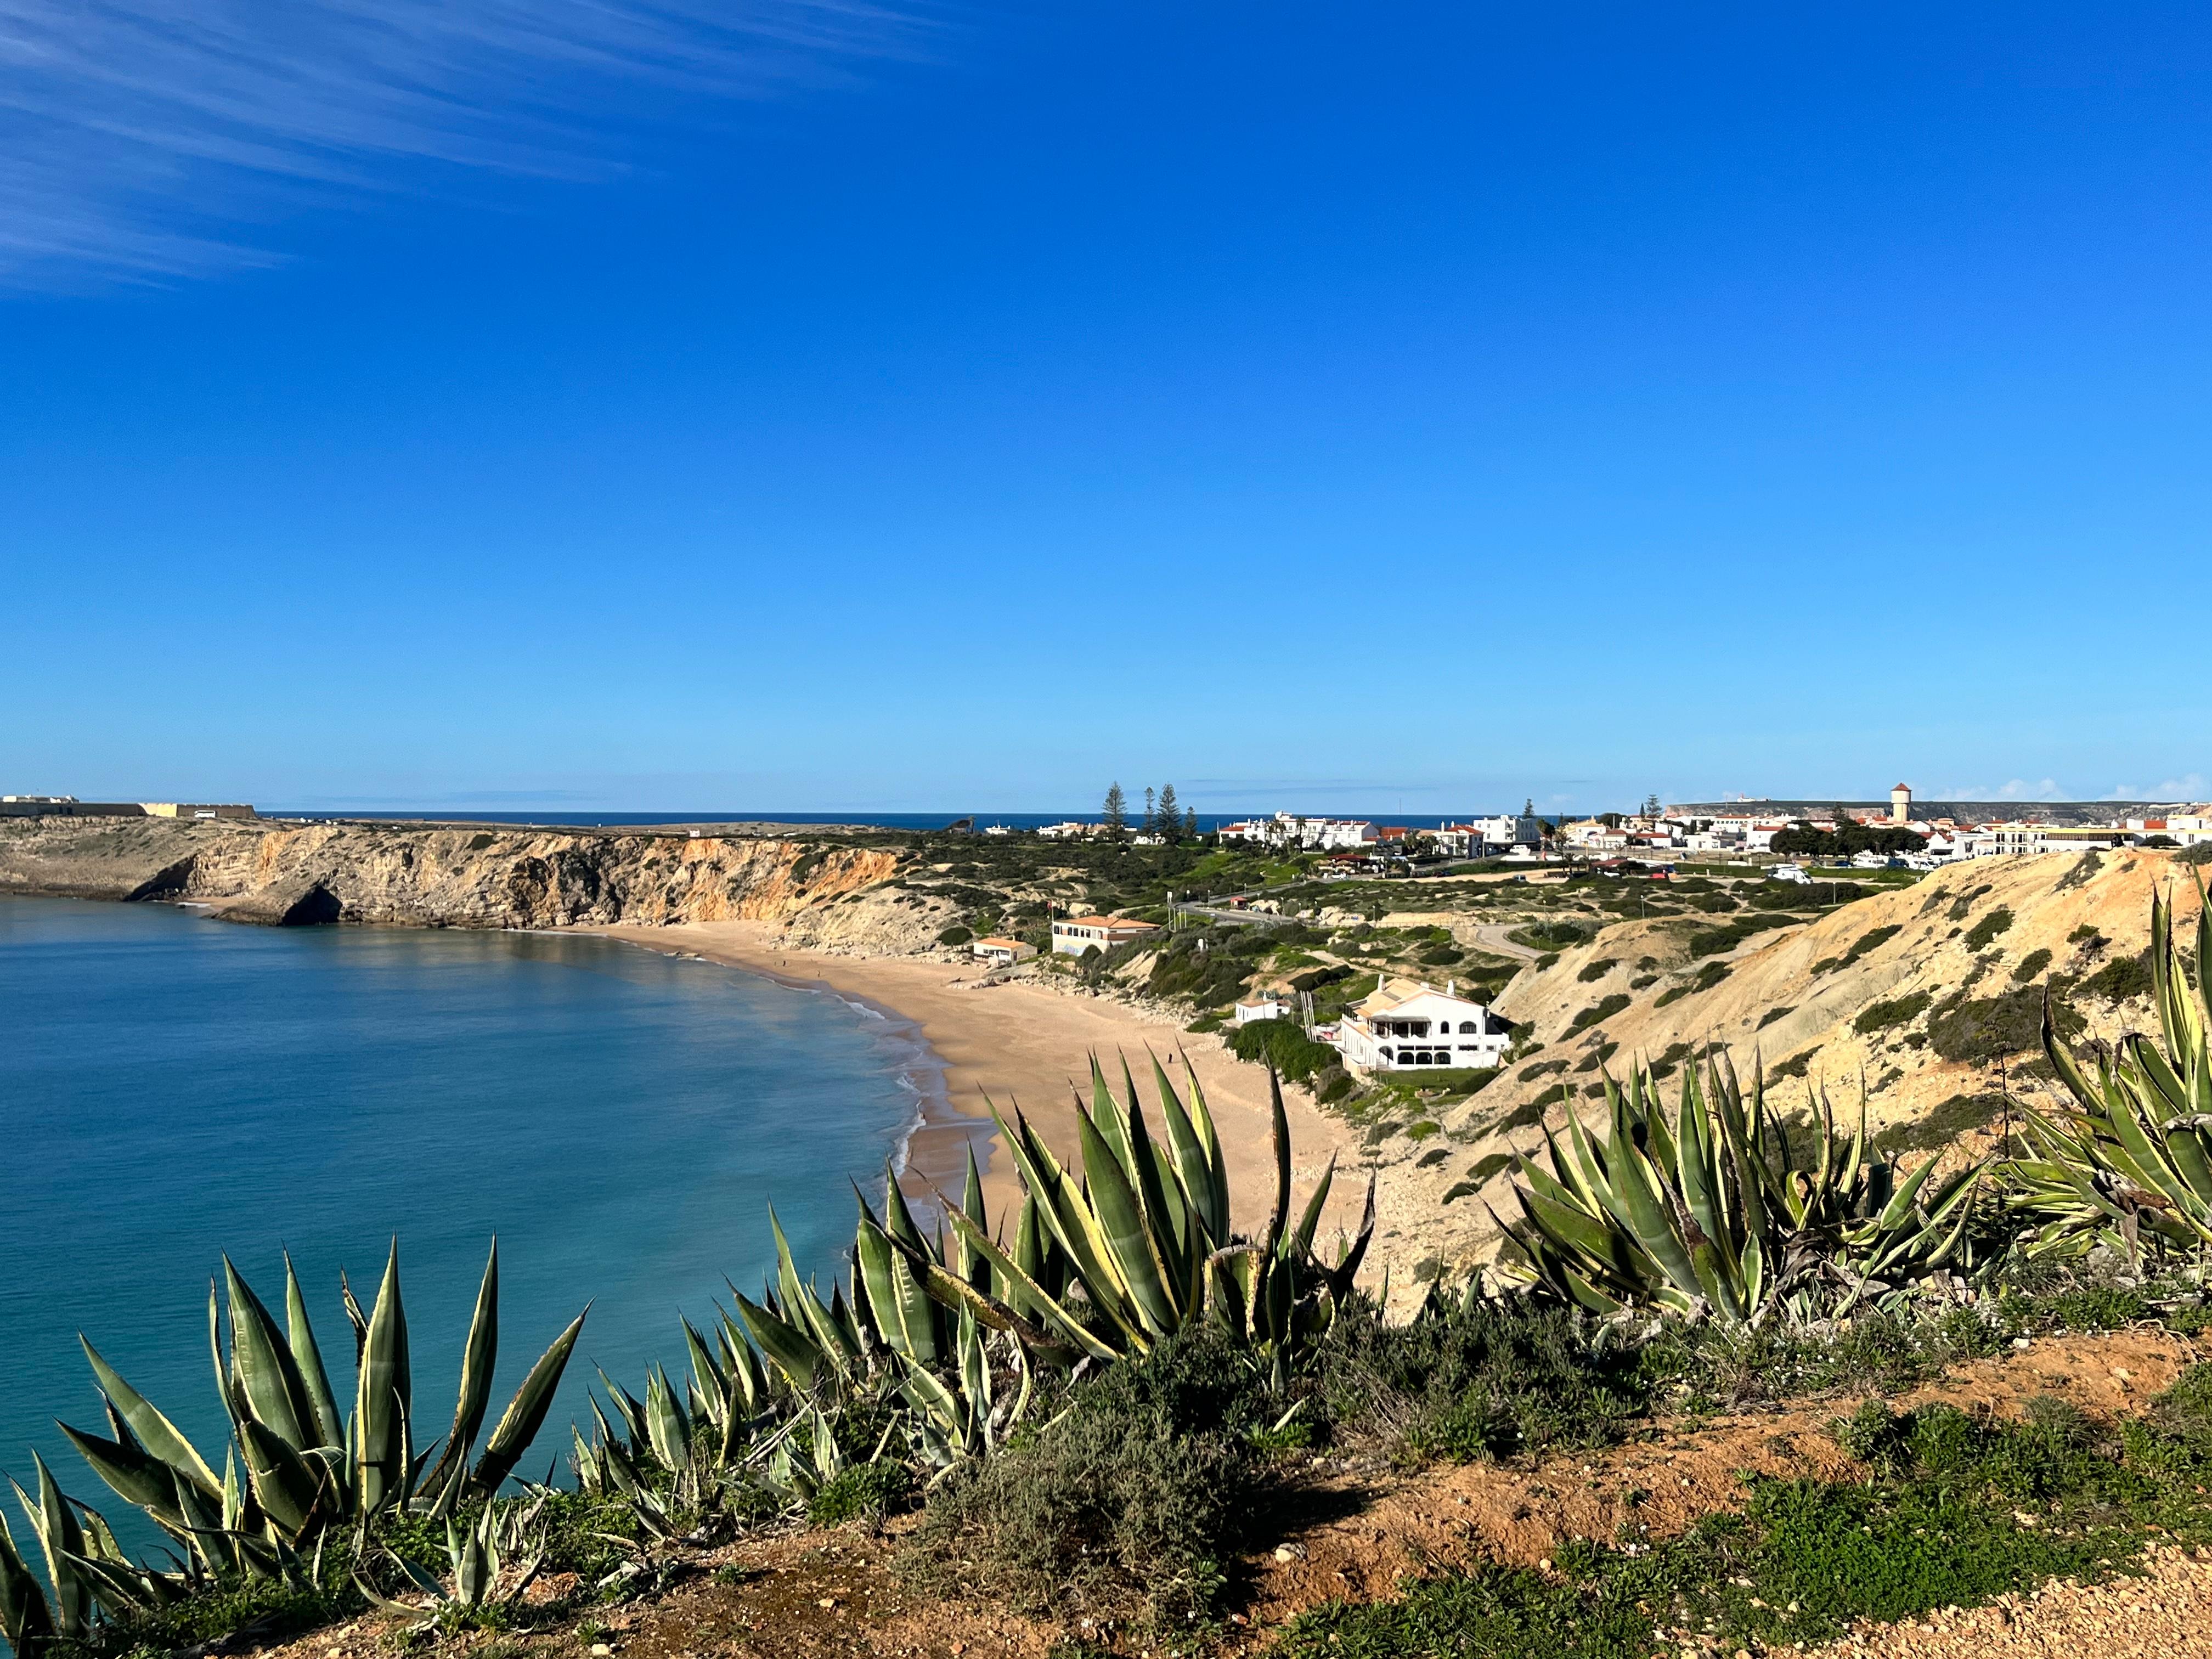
x,y
284,1486
307,1360
134,1475
1129,1239
1001,1316
26,1619
478,1357
795,1353
269,1380
60,1538
155,1433
525,1415
383,1401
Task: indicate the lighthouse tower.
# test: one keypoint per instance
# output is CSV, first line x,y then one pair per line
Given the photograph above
x,y
1900,803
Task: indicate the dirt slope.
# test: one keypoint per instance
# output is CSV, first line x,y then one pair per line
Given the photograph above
x,y
1901,989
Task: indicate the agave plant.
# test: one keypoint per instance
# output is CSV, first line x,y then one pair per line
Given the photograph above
x,y
946,1329
1714,1213
2133,1155
1140,1246
295,1472
491,1564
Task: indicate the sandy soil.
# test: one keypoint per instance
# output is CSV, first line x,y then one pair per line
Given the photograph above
x,y
1027,1044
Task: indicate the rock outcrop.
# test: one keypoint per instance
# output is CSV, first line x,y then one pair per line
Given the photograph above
x,y
826,893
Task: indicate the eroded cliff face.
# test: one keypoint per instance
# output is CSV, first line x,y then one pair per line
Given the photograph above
x,y
824,893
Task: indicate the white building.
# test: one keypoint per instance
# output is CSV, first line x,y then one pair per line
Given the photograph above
x,y
1001,952
1260,1008
1071,831
1405,1026
1077,936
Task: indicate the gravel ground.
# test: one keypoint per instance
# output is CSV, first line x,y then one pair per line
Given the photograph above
x,y
2166,1615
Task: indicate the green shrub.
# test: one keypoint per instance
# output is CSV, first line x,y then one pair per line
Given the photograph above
x,y
2123,978
859,1491
1130,1499
1672,993
1982,932
1718,941
2031,965
1983,1029
1885,1016
1602,1010
1771,1015
1297,1057
955,934
1593,971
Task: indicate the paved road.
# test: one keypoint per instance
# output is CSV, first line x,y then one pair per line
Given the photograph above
x,y
1491,936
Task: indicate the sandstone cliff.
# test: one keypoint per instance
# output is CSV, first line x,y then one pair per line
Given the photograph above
x,y
824,893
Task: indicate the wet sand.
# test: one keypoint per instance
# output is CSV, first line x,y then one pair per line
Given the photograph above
x,y
1028,1045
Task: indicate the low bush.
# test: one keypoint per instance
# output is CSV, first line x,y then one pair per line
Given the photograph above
x,y
1982,932
2123,978
1717,941
1284,1043
1598,1011
1127,1500
1886,1016
2031,965
955,934
1987,1028
1771,1015
1594,971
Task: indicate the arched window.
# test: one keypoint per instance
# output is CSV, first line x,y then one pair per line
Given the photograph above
x,y
1469,1028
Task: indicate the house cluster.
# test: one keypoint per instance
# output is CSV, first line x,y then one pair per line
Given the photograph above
x,y
1944,839
1476,838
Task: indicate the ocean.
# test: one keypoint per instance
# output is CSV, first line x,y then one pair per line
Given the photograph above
x,y
596,820
173,1087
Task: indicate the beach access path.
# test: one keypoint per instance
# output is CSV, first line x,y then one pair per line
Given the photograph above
x,y
1024,1044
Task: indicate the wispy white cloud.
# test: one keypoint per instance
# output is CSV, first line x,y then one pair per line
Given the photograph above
x,y
137,135
2190,786
2014,789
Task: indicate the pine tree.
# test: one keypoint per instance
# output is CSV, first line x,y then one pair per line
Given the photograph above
x,y
1169,821
1190,823
1116,815
1151,821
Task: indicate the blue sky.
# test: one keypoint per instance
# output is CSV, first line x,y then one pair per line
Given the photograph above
x,y
1394,410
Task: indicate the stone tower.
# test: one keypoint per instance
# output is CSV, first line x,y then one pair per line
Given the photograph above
x,y
1900,803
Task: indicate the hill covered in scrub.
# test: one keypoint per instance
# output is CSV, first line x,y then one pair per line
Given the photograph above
x,y
1932,993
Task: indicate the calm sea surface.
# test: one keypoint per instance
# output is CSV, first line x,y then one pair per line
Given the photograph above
x,y
173,1087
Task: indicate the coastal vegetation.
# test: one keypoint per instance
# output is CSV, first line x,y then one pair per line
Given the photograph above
x,y
1106,1402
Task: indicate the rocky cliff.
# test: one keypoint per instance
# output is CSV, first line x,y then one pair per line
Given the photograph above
x,y
823,893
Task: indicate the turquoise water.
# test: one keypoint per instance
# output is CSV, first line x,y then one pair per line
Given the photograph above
x,y
173,1087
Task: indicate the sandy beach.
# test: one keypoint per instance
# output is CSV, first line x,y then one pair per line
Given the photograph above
x,y
1023,1044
